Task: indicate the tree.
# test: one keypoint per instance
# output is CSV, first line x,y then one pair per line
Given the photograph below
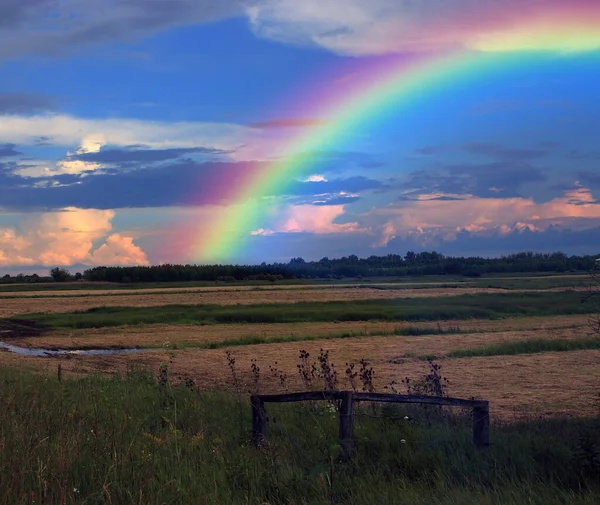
x,y
60,274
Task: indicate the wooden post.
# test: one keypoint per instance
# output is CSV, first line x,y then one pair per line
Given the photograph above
x,y
259,420
481,425
347,424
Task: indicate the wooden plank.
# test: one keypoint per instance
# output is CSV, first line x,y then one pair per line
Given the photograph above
x,y
431,400
369,397
347,424
481,425
259,420
301,397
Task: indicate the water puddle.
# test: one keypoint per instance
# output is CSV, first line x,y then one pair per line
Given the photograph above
x,y
46,353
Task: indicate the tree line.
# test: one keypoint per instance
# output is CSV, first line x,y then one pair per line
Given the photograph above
x,y
391,265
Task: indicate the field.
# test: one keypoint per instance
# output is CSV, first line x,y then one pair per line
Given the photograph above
x,y
523,343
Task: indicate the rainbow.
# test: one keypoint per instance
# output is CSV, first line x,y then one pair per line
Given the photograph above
x,y
371,92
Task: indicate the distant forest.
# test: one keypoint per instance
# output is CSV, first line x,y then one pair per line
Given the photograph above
x,y
392,265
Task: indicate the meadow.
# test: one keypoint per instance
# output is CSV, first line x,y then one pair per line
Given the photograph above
x,y
171,422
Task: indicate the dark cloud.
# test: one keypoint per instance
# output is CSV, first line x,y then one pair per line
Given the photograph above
x,y
120,156
577,155
288,123
25,103
8,150
42,141
14,12
349,185
499,179
430,150
116,20
180,182
589,178
474,244
499,152
337,200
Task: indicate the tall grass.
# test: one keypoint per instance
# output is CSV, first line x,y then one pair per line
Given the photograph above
x,y
481,306
132,439
528,347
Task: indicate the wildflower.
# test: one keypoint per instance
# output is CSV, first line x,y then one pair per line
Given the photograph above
x,y
75,490
402,441
406,418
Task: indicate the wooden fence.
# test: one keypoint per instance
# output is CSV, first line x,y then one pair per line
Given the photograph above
x,y
347,399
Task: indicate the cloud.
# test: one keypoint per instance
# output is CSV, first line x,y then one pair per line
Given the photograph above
x,y
309,219
289,123
177,182
65,238
443,219
118,156
323,186
25,103
499,152
315,178
55,27
500,178
357,27
65,130
8,150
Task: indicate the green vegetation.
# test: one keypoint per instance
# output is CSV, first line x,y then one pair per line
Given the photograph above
x,y
481,306
136,440
528,347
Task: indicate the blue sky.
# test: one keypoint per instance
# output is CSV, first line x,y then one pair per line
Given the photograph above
x,y
122,120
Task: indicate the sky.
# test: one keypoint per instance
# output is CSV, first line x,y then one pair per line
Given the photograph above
x,y
136,132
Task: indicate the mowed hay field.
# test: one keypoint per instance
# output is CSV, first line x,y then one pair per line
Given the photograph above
x,y
538,362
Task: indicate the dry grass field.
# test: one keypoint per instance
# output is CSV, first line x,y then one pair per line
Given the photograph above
x,y
543,383
68,301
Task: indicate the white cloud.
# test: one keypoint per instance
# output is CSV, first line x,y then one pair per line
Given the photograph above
x,y
359,27
91,134
64,130
315,178
68,237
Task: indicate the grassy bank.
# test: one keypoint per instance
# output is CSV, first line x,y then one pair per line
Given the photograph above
x,y
135,440
480,306
528,347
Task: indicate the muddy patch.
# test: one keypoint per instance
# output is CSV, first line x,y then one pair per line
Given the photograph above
x,y
19,328
48,353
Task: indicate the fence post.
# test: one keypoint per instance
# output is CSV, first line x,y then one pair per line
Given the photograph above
x,y
347,424
481,425
259,420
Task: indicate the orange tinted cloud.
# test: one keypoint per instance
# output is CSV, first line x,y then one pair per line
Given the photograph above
x,y
575,209
68,237
311,219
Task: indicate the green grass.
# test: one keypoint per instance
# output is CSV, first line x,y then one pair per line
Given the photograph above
x,y
508,281
131,440
481,306
528,347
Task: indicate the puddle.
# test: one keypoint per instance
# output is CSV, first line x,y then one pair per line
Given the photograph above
x,y
45,353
